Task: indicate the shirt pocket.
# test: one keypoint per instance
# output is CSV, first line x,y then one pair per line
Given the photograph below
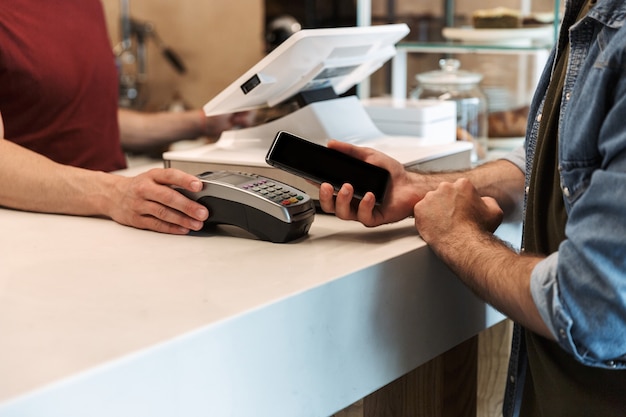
x,y
575,177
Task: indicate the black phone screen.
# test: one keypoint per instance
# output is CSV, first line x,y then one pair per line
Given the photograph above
x,y
321,164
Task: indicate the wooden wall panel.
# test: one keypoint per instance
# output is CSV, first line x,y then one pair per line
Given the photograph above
x,y
217,41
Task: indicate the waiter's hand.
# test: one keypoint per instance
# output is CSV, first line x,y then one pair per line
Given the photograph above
x,y
148,201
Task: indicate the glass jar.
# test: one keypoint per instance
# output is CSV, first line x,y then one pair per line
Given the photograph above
x,y
451,83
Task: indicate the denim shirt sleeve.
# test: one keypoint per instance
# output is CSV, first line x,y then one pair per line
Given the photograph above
x,y
591,329
580,290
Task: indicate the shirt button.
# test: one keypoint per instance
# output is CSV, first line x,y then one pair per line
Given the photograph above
x,y
567,96
562,333
527,190
539,117
566,191
612,364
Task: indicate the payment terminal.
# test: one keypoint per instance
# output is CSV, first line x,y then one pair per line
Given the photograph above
x,y
268,209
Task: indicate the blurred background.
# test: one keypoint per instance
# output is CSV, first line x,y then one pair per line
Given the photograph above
x,y
217,41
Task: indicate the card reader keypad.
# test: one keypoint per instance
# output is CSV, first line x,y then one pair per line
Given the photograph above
x,y
278,193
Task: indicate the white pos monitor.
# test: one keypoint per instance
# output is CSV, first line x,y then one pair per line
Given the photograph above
x,y
311,59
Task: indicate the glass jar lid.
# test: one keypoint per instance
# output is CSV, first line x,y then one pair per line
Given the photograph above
x,y
449,74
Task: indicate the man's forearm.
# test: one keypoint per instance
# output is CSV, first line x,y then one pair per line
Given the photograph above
x,y
499,179
495,273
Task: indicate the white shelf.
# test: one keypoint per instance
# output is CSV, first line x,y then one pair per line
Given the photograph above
x,y
399,62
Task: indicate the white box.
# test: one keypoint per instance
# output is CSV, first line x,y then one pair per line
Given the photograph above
x,y
432,120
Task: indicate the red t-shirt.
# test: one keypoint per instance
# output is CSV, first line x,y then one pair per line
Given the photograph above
x,y
58,82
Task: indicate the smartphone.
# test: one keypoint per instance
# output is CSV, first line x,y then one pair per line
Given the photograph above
x,y
319,164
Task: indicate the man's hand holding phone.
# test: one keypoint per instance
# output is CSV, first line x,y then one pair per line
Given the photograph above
x,y
399,200
356,183
319,164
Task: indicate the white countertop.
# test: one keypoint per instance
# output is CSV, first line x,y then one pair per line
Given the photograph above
x,y
102,319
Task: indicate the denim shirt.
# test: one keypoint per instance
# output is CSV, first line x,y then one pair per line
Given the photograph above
x,y
580,290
